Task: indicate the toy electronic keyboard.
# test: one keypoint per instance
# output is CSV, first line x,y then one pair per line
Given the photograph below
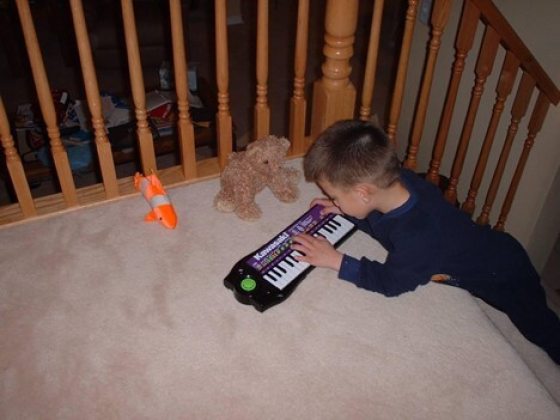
x,y
270,274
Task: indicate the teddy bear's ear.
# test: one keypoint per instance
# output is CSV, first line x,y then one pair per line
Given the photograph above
x,y
284,142
251,149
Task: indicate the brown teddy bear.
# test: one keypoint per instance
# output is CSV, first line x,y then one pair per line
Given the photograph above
x,y
249,172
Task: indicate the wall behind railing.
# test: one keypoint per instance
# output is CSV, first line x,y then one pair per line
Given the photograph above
x,y
534,216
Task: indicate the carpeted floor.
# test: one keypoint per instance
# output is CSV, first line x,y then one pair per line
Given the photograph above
x,y
104,316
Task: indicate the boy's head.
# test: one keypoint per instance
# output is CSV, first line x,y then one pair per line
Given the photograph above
x,y
351,152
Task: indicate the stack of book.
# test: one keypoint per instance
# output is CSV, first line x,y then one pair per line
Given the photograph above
x,y
161,112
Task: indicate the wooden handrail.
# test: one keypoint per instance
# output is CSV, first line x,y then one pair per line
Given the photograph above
x,y
493,17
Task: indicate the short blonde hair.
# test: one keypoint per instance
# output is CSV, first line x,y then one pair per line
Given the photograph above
x,y
349,152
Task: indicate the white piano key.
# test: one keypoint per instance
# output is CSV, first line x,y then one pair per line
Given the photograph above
x,y
301,265
330,227
329,236
347,225
270,279
290,269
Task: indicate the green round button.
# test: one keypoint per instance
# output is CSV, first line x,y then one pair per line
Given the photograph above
x,y
248,284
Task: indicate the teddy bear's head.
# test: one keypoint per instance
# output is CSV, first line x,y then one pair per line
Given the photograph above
x,y
267,154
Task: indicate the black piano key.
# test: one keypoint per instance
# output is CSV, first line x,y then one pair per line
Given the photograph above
x,y
328,228
334,222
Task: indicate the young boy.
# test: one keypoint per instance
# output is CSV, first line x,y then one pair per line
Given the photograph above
x,y
427,238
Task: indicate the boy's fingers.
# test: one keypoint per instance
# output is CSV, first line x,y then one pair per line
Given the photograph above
x,y
308,244
303,238
325,202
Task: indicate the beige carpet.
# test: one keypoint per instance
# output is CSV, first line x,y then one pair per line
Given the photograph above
x,y
103,316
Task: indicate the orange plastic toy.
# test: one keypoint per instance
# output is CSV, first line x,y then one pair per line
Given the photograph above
x,y
152,190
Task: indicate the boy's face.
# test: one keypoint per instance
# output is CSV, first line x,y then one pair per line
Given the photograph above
x,y
354,201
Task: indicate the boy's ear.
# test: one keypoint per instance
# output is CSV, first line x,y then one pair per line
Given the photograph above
x,y
365,191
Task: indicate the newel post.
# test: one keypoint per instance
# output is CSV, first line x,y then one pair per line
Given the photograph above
x,y
334,96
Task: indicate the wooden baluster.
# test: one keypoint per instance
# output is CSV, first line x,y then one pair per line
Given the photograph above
x,y
184,124
145,139
262,111
371,61
106,162
46,104
463,44
402,69
298,103
505,85
535,125
224,125
484,66
440,15
492,16
15,167
518,110
334,95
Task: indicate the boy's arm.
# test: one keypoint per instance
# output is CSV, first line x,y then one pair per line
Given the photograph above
x,y
411,264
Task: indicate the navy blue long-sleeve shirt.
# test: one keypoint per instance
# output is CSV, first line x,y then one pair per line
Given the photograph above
x,y
428,236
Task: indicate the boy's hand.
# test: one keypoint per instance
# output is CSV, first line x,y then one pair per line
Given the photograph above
x,y
318,251
328,205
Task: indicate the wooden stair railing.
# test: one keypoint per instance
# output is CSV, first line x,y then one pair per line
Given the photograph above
x,y
224,122
15,167
185,126
440,14
60,157
106,162
189,170
334,98
262,110
498,35
518,110
145,138
298,104
463,44
334,95
371,62
402,69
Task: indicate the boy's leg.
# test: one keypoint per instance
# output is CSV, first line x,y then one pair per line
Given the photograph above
x,y
524,301
536,321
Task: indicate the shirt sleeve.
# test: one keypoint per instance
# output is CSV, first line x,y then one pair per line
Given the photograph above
x,y
410,264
